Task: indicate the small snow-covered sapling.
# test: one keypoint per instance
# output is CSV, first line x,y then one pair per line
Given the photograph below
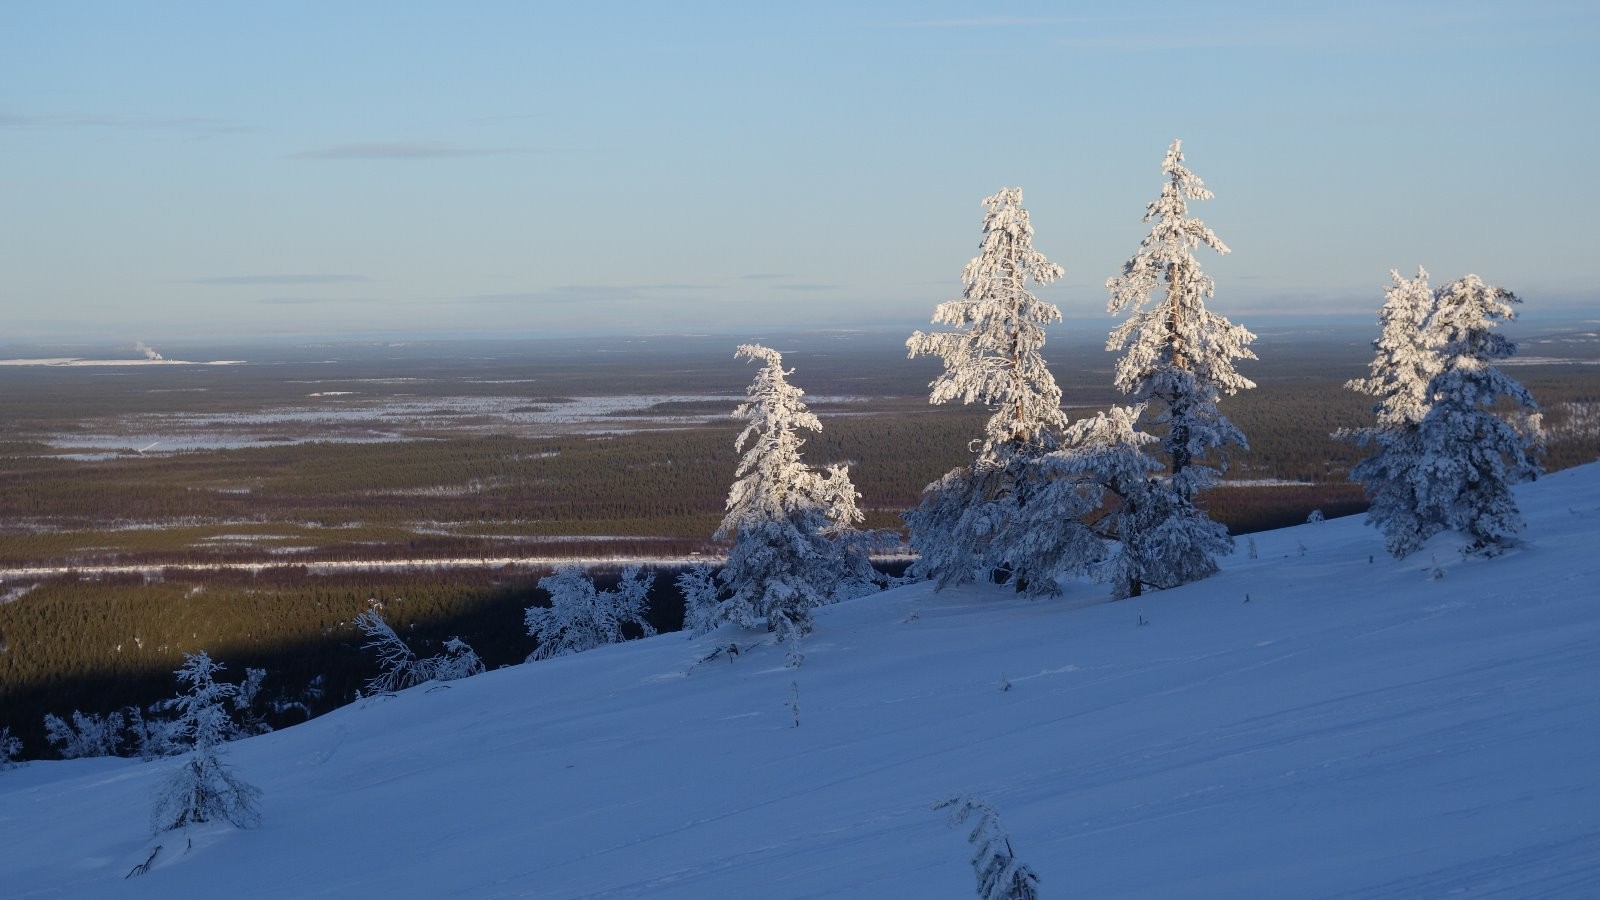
x,y
1001,876
10,749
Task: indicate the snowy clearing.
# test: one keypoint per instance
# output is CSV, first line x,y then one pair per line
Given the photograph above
x,y
73,361
350,417
1305,724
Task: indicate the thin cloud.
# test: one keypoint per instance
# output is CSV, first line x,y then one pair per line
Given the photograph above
x,y
1001,21
1139,33
587,293
1222,39
576,293
279,279
197,126
806,286
403,150
315,301
765,276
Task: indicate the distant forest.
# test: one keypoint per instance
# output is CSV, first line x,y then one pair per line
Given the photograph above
x,y
96,644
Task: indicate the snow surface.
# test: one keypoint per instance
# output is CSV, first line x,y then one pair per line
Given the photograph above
x,y
1356,729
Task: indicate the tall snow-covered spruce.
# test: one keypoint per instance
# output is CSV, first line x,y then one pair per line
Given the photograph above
x,y
1176,352
794,543
1454,465
1178,359
1398,378
992,357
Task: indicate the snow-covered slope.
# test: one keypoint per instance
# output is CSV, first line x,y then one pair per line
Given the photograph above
x,y
1356,729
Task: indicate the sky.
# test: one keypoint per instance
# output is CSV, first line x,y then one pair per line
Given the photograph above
x,y
174,171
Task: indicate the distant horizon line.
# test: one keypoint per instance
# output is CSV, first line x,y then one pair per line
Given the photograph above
x,y
1340,321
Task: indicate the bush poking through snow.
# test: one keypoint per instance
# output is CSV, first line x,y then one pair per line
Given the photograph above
x,y
458,660
1001,876
402,668
202,788
581,618
699,589
152,737
10,749
87,735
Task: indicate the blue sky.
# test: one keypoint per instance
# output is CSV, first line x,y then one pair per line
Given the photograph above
x,y
219,169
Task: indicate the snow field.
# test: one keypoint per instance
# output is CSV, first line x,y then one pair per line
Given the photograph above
x,y
1356,729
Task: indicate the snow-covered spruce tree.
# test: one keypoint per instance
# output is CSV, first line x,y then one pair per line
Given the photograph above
x,y
202,788
1406,360
1470,456
699,589
1131,529
87,735
795,546
580,617
1001,876
992,357
1177,353
1404,365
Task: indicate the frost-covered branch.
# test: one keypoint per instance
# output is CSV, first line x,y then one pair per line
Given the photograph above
x,y
398,665
1001,876
400,668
